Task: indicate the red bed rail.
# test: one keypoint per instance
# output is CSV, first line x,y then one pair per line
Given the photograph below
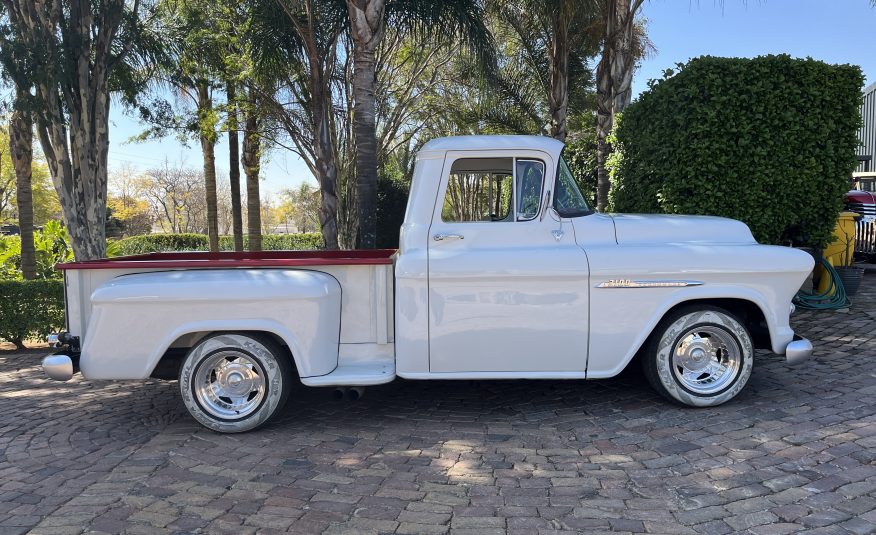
x,y
197,259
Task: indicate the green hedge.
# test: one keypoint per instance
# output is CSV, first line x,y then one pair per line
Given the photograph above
x,y
392,199
29,310
151,243
769,141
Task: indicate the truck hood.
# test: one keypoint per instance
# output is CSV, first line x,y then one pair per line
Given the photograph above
x,y
648,229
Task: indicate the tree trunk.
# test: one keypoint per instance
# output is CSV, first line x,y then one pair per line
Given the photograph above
x,y
367,22
623,59
208,149
558,96
327,174
603,128
604,105
71,78
252,166
325,163
234,167
21,149
614,78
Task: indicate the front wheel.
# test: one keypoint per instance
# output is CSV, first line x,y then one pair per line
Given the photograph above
x,y
700,357
233,382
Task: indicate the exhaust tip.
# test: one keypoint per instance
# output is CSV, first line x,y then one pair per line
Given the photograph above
x,y
355,393
338,394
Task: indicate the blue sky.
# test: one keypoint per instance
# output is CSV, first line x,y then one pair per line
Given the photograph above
x,y
836,31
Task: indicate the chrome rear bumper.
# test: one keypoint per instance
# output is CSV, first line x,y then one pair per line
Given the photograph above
x,y
60,367
798,351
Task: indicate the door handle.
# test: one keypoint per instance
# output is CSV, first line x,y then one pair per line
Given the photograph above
x,y
442,237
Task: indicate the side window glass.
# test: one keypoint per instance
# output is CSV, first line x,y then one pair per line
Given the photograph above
x,y
479,189
530,176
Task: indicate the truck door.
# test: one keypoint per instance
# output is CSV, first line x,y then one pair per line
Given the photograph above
x,y
508,286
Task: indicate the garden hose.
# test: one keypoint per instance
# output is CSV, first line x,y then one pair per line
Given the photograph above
x,y
833,298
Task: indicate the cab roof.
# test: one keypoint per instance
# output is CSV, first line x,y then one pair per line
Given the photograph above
x,y
542,143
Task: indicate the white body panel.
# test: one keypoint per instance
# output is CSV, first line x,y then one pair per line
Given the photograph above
x,y
549,297
125,329
508,296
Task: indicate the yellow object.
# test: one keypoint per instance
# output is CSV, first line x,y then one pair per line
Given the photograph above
x,y
823,278
841,251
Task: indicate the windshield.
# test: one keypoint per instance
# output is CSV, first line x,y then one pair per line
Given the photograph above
x,y
568,201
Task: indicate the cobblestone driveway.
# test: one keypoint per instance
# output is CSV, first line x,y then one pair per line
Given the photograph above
x,y
796,451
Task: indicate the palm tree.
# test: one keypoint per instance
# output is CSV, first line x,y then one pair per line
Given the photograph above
x,y
614,76
297,42
21,149
252,149
234,164
463,19
207,137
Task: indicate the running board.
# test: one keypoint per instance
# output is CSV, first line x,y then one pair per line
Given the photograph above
x,y
354,375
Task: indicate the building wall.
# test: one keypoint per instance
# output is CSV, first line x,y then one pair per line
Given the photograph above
x,y
867,134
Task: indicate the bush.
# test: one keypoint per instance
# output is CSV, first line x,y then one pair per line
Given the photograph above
x,y
29,310
153,243
392,199
280,242
769,141
51,245
580,155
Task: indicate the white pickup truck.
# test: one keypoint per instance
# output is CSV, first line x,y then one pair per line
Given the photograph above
x,y
503,272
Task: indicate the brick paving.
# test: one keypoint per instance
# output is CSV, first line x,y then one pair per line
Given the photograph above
x,y
796,452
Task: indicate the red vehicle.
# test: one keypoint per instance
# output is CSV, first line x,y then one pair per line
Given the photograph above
x,y
862,200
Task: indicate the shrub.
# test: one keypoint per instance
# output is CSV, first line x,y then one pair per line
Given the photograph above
x,y
153,243
580,155
392,199
280,242
769,141
52,246
29,310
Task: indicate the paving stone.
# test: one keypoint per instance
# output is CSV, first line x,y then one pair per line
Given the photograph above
x,y
796,450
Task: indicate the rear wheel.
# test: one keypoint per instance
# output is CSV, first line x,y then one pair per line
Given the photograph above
x,y
700,357
233,382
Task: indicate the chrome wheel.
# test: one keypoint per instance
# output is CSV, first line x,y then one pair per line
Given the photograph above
x,y
230,385
706,359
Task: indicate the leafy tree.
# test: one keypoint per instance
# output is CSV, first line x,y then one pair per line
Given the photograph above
x,y
77,53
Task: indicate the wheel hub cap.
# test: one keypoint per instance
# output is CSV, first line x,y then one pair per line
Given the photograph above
x,y
706,359
230,385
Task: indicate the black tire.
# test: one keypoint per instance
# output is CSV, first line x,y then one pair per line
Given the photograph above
x,y
235,382
673,345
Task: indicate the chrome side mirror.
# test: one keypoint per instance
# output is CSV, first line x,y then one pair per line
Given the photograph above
x,y
545,205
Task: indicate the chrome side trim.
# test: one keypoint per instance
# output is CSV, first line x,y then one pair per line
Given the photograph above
x,y
624,283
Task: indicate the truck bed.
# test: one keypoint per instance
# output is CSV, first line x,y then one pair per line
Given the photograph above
x,y
365,276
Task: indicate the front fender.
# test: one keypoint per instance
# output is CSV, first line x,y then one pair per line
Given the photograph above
x,y
609,356
622,318
136,318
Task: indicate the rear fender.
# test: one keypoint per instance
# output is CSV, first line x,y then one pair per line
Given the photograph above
x,y
136,318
